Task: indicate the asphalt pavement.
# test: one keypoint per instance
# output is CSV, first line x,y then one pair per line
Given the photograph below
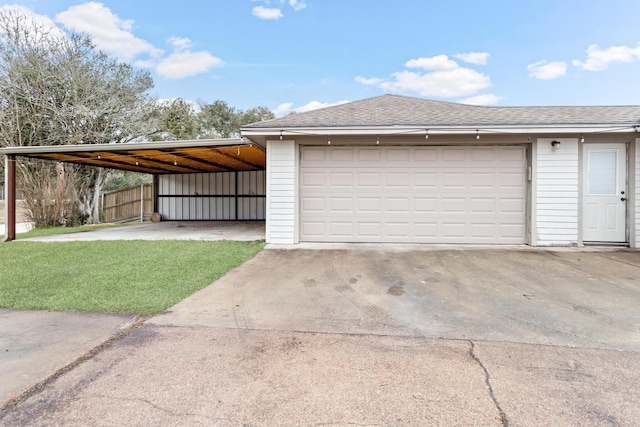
x,y
374,335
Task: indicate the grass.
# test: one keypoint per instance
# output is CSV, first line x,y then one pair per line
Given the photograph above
x,y
143,277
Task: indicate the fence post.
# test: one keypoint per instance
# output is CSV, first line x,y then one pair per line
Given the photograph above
x,y
141,202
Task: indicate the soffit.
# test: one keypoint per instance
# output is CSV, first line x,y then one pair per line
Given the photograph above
x,y
174,157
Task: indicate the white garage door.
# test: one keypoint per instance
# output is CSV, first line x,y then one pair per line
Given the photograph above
x,y
413,194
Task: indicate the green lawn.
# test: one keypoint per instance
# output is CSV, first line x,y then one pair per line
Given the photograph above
x,y
143,277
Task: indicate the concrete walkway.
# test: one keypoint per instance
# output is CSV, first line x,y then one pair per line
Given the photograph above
x,y
36,344
168,230
385,336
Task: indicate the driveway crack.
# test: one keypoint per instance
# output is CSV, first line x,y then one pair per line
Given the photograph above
x,y
487,379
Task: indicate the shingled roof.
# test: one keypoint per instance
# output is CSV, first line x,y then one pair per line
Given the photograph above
x,y
394,110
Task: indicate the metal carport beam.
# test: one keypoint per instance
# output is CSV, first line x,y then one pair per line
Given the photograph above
x,y
10,199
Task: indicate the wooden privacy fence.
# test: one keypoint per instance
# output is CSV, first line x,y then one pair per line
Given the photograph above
x,y
128,204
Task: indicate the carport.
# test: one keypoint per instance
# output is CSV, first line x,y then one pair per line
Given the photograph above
x,y
226,158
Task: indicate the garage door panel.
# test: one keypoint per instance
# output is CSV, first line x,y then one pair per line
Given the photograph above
x,y
434,195
369,179
342,228
424,205
314,229
515,205
482,205
454,154
369,155
425,155
453,180
313,179
314,154
424,180
396,154
369,229
340,205
483,154
512,180
513,231
451,205
396,179
483,180
515,154
341,155
341,179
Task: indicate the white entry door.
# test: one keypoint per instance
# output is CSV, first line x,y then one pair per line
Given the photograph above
x,y
605,195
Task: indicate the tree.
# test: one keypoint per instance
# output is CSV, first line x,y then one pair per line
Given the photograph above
x,y
59,89
177,120
219,120
257,114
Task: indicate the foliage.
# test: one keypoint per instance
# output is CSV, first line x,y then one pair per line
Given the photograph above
x,y
219,120
124,179
58,89
177,120
113,276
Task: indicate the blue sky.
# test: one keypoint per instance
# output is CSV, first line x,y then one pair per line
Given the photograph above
x,y
294,55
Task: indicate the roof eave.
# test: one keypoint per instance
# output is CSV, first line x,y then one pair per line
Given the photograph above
x,y
440,130
131,146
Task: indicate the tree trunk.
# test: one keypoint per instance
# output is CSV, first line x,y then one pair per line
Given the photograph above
x,y
94,214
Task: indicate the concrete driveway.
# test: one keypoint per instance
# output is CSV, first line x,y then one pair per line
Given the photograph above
x,y
376,335
567,297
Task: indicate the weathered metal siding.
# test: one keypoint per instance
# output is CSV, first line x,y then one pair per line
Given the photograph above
x,y
212,196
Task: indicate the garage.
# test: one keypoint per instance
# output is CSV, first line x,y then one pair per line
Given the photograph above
x,y
413,194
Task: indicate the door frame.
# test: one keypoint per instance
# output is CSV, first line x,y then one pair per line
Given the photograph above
x,y
584,182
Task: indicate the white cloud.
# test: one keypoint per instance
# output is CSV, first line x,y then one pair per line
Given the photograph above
x,y
109,32
443,77
286,108
115,36
486,99
599,59
180,43
44,22
283,109
314,105
434,63
267,12
272,9
545,70
297,4
374,81
185,63
477,58
445,84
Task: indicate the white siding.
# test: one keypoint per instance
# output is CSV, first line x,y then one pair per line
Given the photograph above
x,y
281,192
556,200
635,215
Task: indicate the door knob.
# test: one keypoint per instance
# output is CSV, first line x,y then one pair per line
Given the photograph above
x,y
624,199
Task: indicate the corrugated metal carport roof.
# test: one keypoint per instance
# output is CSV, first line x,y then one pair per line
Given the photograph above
x,y
174,157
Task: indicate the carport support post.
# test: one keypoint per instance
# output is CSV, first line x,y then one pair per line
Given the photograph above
x,y
10,199
156,180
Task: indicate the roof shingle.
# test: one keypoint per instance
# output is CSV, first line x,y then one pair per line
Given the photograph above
x,y
395,110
